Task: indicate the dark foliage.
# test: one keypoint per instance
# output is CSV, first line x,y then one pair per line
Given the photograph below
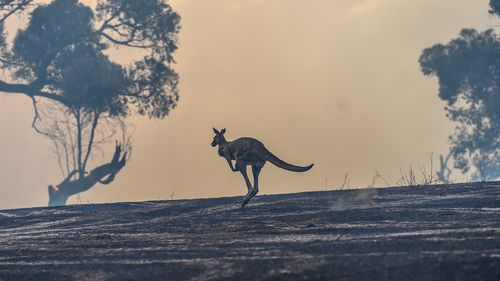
x,y
495,7
60,55
7,9
468,69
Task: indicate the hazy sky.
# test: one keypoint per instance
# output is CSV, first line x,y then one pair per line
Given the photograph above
x,y
330,82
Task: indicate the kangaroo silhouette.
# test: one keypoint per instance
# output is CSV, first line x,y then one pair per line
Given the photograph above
x,y
249,152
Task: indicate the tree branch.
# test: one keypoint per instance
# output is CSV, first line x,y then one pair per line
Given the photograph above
x,y
12,7
126,42
91,139
31,90
58,195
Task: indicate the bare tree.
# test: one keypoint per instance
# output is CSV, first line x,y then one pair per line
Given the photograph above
x,y
444,172
78,136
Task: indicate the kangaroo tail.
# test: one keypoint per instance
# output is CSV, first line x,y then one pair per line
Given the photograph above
x,y
282,164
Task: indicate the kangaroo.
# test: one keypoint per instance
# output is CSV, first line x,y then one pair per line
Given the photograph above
x,y
249,152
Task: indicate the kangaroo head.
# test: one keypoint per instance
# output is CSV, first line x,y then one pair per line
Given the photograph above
x,y
219,137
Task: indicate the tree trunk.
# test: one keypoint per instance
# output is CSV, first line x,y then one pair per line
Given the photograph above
x,y
104,174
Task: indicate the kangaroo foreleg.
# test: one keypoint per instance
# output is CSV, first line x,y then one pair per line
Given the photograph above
x,y
231,165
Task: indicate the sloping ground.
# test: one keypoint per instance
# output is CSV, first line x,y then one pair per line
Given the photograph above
x,y
422,233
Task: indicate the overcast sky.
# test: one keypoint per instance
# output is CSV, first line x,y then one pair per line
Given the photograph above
x,y
330,82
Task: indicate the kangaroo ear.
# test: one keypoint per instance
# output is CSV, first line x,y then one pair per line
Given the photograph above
x,y
215,131
223,131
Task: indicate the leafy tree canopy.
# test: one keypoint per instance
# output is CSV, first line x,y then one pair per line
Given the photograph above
x,y
61,55
7,9
468,69
495,7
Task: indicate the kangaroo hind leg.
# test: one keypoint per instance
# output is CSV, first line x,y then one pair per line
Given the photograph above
x,y
243,171
255,172
255,189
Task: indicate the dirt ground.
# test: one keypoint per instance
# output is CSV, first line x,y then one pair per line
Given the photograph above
x,y
449,232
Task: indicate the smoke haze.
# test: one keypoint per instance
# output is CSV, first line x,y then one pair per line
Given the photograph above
x,y
335,83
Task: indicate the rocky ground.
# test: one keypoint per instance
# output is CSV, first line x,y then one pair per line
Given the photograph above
x,y
449,232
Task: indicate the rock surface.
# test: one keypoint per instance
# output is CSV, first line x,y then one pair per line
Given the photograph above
x,y
448,232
